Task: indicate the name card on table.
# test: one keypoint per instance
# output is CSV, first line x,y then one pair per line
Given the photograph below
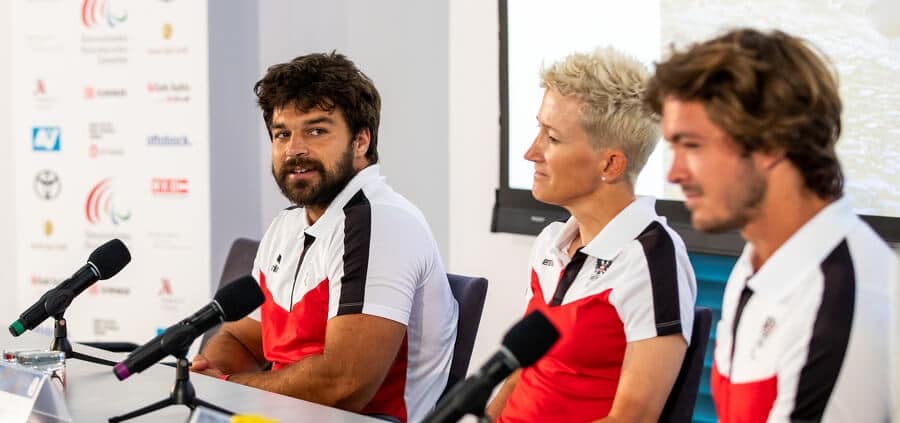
x,y
25,391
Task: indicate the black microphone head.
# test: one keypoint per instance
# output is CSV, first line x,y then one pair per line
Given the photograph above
x,y
239,297
530,338
110,258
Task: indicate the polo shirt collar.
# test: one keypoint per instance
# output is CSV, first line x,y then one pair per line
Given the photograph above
x,y
802,252
621,230
334,212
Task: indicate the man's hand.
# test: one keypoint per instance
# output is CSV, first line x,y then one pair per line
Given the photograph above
x,y
201,365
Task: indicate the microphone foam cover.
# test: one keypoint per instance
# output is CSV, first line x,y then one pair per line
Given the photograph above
x,y
239,297
110,258
530,338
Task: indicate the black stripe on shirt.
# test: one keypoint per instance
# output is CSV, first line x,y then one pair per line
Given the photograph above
x,y
357,237
660,253
568,277
830,336
307,242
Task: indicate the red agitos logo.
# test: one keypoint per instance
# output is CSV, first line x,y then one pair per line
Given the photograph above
x,y
170,185
100,204
95,12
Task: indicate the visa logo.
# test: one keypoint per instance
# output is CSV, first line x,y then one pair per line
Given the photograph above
x,y
45,138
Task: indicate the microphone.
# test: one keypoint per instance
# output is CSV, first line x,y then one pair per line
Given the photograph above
x,y
231,302
524,343
105,262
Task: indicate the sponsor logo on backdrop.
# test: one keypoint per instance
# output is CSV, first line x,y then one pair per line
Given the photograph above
x,y
102,140
168,301
101,93
99,131
165,287
168,240
40,90
168,43
48,243
158,140
103,327
169,186
107,48
169,92
42,96
101,207
47,185
97,13
106,289
48,281
45,138
43,43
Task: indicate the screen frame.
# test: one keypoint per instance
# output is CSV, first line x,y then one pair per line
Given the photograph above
x,y
517,211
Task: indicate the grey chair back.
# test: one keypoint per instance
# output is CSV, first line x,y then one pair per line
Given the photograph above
x,y
238,263
470,293
679,407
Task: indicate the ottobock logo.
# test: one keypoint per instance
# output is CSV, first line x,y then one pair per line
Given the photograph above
x,y
101,205
168,140
169,185
47,185
45,138
98,12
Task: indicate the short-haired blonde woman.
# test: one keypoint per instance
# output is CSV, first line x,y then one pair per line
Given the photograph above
x,y
614,278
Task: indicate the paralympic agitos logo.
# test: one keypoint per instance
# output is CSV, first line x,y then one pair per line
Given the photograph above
x,y
101,205
95,12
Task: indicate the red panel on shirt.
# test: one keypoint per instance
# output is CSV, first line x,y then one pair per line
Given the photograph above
x,y
290,336
576,381
748,402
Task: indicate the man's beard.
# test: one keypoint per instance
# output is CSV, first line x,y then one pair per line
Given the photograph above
x,y
742,205
321,194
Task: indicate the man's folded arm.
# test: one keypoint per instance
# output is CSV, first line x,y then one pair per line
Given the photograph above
x,y
359,351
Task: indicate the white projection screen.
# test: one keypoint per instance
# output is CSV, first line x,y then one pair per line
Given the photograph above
x,y
860,37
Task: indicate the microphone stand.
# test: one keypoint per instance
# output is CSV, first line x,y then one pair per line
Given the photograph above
x,y
183,393
456,403
56,307
61,343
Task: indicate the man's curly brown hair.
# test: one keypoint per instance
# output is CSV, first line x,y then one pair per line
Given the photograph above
x,y
767,91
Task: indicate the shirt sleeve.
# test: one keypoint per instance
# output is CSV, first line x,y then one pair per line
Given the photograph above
x,y
653,301
257,273
380,262
258,270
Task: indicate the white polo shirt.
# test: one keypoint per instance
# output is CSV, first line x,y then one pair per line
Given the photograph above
x,y
371,252
806,337
633,281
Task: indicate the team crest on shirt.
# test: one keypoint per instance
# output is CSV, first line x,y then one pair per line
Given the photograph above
x,y
600,268
274,267
768,327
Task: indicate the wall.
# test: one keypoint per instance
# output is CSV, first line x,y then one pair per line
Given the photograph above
x,y
234,122
474,174
402,46
7,188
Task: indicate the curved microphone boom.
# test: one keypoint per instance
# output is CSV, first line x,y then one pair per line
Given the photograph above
x,y
525,343
105,262
232,302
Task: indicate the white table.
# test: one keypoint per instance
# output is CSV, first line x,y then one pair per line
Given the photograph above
x,y
94,394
